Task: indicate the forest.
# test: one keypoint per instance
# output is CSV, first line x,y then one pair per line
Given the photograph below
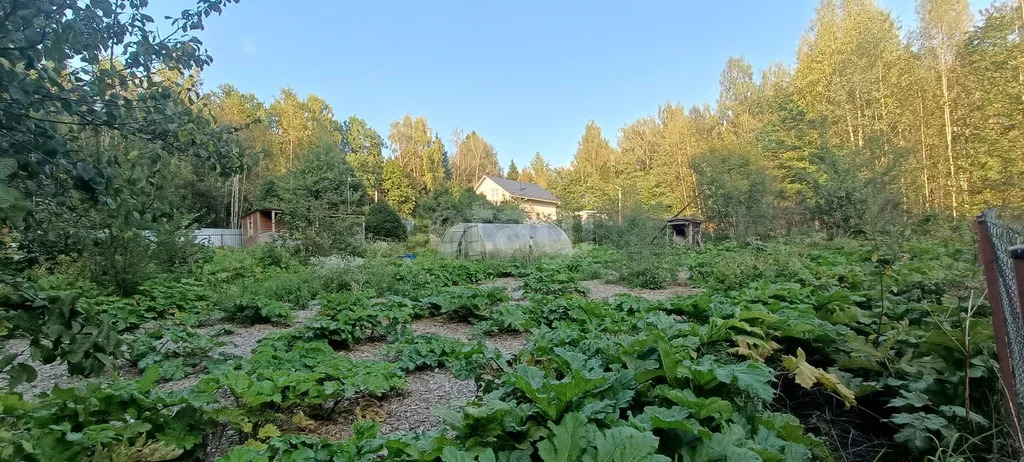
x,y
837,312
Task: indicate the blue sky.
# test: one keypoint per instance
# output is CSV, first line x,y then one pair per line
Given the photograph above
x,y
526,75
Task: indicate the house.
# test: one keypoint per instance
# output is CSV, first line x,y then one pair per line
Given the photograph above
x,y
259,226
537,202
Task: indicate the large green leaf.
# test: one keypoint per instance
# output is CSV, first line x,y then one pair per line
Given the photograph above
x,y
567,441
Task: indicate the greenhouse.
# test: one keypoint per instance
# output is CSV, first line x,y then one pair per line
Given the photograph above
x,y
494,240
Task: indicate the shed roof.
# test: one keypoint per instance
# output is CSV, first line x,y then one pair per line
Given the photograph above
x,y
680,220
522,189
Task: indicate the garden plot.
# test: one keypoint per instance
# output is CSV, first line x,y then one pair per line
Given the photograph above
x,y
414,410
598,289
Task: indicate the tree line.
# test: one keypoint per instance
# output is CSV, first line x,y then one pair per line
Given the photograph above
x,y
872,122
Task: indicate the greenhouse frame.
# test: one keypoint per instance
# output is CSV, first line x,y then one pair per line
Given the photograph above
x,y
499,240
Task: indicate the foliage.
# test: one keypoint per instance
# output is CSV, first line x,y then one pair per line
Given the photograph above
x,y
59,327
97,418
345,319
257,310
429,351
552,279
363,446
383,222
175,351
317,195
300,376
464,303
737,190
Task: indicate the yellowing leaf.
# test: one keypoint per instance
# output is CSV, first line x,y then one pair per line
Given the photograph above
x,y
301,420
804,373
807,375
268,431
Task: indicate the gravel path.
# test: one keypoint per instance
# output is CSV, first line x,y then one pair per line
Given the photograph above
x,y
601,290
413,410
508,343
441,326
366,350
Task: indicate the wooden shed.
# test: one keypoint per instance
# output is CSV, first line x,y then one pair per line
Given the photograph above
x,y
685,231
259,226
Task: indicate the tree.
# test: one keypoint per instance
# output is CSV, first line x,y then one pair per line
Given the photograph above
x,y
85,137
993,63
411,139
398,188
383,222
433,164
513,171
943,27
363,148
474,158
299,125
737,99
736,189
246,114
592,170
317,197
539,171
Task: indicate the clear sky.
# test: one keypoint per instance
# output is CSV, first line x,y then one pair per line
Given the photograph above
x,y
527,75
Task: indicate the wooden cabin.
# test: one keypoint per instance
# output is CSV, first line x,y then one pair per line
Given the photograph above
x,y
260,226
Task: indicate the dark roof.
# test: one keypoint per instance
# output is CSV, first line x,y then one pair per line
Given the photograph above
x,y
673,221
523,189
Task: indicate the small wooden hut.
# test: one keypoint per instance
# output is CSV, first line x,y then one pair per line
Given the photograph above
x,y
261,226
685,231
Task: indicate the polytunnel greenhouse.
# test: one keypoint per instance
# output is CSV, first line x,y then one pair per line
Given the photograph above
x,y
499,240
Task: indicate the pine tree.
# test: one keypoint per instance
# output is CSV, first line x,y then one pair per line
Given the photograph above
x,y
513,171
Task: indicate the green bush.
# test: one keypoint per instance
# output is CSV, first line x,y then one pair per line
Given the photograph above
x,y
257,310
383,222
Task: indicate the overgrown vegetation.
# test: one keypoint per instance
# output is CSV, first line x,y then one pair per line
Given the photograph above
x,y
864,336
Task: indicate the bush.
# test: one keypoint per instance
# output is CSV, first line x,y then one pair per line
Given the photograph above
x,y
383,222
736,190
296,287
257,310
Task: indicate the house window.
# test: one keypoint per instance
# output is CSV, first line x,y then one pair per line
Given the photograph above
x,y
250,226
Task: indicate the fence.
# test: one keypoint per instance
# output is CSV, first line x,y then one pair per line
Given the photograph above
x,y
1001,250
218,237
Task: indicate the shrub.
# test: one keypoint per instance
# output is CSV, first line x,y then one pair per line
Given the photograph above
x,y
296,287
383,222
257,310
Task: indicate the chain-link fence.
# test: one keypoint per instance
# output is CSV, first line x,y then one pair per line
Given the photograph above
x,y
1003,276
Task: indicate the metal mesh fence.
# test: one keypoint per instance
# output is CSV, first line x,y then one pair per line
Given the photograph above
x,y
1003,235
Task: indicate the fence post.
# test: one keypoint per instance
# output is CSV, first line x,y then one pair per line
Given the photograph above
x,y
987,255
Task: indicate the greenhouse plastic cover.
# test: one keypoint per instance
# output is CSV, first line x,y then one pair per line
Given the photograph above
x,y
492,240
